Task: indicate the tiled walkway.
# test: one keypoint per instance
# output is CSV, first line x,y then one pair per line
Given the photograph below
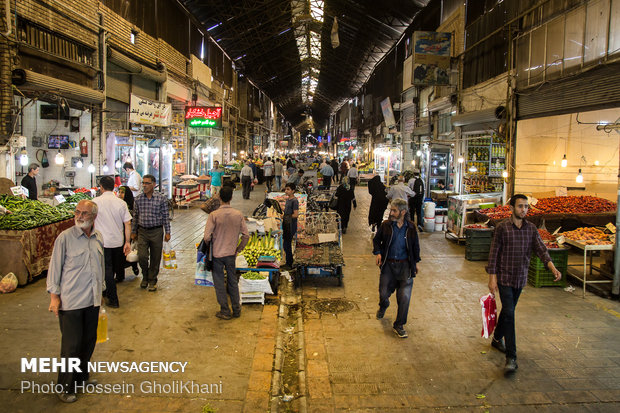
x,y
569,347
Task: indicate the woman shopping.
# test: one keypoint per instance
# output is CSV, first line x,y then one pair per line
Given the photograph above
x,y
379,202
345,198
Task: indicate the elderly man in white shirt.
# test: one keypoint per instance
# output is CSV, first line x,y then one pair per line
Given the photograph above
x,y
134,182
114,223
400,191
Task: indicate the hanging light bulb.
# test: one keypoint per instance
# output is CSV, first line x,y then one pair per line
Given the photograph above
x,y
91,168
505,174
579,178
473,168
443,167
596,163
564,161
23,157
419,153
105,168
461,159
79,164
117,164
59,159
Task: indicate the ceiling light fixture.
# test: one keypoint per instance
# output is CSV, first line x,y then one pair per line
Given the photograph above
x,y
579,178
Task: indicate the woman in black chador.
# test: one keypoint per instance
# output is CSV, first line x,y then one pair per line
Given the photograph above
x,y
379,202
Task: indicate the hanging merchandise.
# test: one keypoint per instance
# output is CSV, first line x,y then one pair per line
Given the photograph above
x,y
83,148
43,160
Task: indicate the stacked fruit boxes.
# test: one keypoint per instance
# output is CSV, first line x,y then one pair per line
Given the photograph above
x,y
478,243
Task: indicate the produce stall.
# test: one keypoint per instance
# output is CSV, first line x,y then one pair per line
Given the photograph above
x,y
567,212
262,254
318,251
27,235
461,209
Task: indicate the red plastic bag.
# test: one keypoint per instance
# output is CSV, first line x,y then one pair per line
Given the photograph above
x,y
489,315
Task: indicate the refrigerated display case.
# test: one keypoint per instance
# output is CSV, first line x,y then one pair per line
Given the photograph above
x,y
460,205
438,168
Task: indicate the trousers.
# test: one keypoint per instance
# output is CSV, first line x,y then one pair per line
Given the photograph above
x,y
392,279
506,323
79,335
150,243
114,264
226,285
246,183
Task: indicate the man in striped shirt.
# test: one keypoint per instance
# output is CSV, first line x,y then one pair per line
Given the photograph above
x,y
509,259
150,220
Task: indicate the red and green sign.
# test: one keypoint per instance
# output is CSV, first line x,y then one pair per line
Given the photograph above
x,y
203,116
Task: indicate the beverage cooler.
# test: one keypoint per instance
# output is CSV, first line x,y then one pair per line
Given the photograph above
x,y
149,156
460,206
438,168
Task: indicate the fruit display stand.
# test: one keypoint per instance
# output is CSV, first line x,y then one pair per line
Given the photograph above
x,y
460,209
27,253
318,250
589,249
274,273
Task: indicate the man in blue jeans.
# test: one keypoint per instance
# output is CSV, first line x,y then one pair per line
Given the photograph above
x,y
513,243
397,248
289,224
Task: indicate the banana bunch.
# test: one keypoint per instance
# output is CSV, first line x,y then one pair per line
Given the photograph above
x,y
258,246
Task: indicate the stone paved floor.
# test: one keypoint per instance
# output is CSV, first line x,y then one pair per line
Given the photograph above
x,y
569,347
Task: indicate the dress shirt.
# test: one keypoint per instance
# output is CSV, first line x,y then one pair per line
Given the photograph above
x,y
268,168
223,228
400,191
135,181
111,218
277,167
327,170
352,173
150,212
511,251
216,177
247,171
398,244
76,269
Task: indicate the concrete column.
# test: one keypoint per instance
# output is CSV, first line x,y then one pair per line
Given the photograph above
x,y
6,93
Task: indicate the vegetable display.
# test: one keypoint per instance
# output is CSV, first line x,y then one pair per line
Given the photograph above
x,y
27,214
253,275
259,246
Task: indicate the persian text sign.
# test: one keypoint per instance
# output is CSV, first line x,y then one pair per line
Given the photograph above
x,y
203,116
149,112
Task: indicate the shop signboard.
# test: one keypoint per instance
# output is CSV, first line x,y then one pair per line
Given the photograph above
x,y
388,114
149,112
431,58
204,116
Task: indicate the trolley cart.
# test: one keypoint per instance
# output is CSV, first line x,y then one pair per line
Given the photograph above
x,y
318,251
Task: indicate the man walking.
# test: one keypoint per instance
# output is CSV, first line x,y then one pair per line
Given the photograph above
x,y
353,176
328,172
268,173
216,177
397,248
415,202
400,191
222,229
134,181
112,221
150,219
247,176
74,282
509,259
30,181
278,167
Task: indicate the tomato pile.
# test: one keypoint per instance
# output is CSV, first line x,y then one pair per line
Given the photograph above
x,y
574,205
546,235
476,226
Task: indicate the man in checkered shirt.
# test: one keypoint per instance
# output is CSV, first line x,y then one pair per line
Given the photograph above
x,y
509,259
150,219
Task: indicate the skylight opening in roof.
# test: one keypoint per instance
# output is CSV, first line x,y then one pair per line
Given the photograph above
x,y
316,10
213,27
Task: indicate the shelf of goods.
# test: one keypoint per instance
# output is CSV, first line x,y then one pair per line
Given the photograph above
x,y
318,250
567,212
28,233
461,209
487,153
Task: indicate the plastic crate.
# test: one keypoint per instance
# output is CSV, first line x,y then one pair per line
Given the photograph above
x,y
478,248
479,233
539,276
476,256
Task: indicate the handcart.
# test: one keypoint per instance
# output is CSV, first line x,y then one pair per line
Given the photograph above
x,y
318,250
322,197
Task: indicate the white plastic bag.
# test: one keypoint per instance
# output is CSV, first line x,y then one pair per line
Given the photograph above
x,y
9,283
133,254
255,286
170,257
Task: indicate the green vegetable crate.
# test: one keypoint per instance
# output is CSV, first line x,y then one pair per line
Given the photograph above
x,y
478,243
539,276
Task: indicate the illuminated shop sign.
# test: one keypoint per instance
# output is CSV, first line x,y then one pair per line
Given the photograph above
x,y
203,116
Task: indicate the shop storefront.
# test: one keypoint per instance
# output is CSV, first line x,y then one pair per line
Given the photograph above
x,y
204,125
388,162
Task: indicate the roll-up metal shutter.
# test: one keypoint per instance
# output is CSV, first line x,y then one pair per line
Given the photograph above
x,y
143,87
117,117
29,80
136,68
595,89
117,83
